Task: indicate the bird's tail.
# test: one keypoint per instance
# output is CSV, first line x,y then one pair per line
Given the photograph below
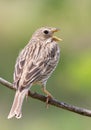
x,y
17,104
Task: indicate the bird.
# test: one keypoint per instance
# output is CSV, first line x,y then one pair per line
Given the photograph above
x,y
34,65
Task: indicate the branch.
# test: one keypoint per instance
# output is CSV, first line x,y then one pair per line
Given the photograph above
x,y
54,102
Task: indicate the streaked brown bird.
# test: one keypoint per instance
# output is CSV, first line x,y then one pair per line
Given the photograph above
x,y
34,65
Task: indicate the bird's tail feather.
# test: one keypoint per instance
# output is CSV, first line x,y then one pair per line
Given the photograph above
x,y
17,104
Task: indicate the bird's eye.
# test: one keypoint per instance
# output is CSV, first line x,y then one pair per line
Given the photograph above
x,y
46,31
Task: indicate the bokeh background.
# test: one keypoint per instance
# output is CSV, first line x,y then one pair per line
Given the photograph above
x,y
71,82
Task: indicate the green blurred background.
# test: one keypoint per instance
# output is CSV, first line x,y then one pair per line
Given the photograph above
x,y
71,82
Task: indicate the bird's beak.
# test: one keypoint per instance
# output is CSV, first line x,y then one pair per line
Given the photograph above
x,y
54,37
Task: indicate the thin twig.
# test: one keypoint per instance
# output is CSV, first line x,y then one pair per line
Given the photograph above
x,y
54,102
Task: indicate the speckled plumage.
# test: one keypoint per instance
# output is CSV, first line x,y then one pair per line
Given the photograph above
x,y
34,65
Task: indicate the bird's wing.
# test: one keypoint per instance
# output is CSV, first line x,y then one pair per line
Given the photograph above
x,y
25,66
20,63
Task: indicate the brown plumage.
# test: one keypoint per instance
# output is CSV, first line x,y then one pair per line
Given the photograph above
x,y
34,65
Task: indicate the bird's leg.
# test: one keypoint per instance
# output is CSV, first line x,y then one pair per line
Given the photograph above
x,y
49,96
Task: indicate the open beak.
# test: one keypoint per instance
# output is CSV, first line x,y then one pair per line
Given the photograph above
x,y
54,37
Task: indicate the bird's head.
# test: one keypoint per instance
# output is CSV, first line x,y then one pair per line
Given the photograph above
x,y
45,33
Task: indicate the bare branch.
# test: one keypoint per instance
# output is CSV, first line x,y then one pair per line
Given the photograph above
x,y
54,102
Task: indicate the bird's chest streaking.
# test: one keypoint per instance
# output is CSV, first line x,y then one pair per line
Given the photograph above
x,y
51,54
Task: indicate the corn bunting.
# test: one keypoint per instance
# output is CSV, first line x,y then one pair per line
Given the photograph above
x,y
34,65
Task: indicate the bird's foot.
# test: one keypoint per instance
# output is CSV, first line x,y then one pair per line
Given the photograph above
x,y
47,100
49,96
